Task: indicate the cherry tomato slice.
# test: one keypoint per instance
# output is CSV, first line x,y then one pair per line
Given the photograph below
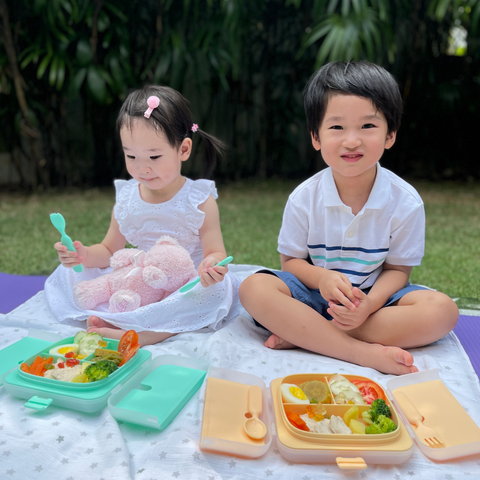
x,y
129,354
61,365
369,390
128,340
70,355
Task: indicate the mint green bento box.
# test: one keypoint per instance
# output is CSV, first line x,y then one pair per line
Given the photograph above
x,y
144,391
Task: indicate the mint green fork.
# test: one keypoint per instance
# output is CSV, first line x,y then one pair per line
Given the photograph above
x,y
59,223
190,285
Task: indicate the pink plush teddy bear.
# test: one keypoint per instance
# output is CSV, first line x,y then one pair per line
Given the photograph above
x,y
138,278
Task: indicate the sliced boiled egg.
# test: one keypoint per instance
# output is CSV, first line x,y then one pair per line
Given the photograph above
x,y
61,350
293,394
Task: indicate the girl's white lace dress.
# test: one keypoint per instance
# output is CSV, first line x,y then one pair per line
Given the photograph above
x,y
142,224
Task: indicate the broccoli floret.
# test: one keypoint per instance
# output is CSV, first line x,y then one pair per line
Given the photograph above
x,y
373,429
100,370
386,424
382,424
366,417
379,407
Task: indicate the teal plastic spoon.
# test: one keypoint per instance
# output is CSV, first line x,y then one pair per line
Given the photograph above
x,y
189,286
59,223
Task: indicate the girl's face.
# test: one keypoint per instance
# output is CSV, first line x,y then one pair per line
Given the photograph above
x,y
352,136
151,160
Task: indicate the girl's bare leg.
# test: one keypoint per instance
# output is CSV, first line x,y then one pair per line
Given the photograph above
x,y
269,301
107,330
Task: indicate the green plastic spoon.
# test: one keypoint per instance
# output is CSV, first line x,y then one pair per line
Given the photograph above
x,y
189,286
59,223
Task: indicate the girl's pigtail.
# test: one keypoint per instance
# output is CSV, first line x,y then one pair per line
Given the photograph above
x,y
214,150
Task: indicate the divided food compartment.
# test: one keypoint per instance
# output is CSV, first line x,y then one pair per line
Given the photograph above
x,y
45,353
349,451
331,408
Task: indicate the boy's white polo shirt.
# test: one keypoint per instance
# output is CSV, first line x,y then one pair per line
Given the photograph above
x,y
389,228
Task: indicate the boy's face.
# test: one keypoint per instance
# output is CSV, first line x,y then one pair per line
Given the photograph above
x,y
352,136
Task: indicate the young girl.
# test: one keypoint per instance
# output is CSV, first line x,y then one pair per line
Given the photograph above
x,y
156,132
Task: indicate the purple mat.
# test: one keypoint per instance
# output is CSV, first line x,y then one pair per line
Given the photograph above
x,y
17,289
468,332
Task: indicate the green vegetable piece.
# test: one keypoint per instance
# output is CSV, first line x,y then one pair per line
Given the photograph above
x,y
383,424
379,407
313,400
100,370
373,429
366,417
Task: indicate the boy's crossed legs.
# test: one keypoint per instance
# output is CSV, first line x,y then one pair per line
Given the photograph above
x,y
418,318
107,330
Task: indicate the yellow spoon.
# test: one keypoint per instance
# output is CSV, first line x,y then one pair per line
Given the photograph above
x,y
253,426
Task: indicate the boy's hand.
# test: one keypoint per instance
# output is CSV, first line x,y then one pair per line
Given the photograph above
x,y
71,259
335,288
346,319
209,273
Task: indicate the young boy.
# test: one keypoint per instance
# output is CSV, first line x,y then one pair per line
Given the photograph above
x,y
350,237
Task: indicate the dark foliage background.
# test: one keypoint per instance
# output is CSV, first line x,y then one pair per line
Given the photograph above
x,y
67,65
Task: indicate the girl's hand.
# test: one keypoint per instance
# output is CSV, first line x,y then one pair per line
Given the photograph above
x,y
209,273
71,259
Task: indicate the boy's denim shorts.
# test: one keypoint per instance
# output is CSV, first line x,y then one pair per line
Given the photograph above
x,y
314,299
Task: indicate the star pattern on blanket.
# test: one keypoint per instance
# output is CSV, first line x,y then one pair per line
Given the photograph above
x,y
121,451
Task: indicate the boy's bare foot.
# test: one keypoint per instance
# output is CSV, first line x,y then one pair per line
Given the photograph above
x,y
391,360
277,343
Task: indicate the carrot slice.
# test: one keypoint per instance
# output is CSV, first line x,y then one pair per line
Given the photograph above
x,y
36,369
39,368
33,367
296,421
25,368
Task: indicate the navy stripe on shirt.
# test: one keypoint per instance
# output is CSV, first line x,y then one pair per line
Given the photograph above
x,y
350,249
353,272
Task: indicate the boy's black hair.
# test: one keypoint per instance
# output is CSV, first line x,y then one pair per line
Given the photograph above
x,y
172,117
362,79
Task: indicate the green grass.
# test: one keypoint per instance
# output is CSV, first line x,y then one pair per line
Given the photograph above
x,y
251,215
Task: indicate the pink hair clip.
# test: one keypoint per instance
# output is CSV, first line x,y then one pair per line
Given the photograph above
x,y
152,102
194,127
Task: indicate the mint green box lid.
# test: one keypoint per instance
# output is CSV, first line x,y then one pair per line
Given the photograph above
x,y
157,393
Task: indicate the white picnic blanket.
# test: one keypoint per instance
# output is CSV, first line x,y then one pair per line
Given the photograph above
x,y
62,444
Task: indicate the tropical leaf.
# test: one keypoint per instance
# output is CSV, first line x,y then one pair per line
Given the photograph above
x,y
43,65
96,84
84,54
